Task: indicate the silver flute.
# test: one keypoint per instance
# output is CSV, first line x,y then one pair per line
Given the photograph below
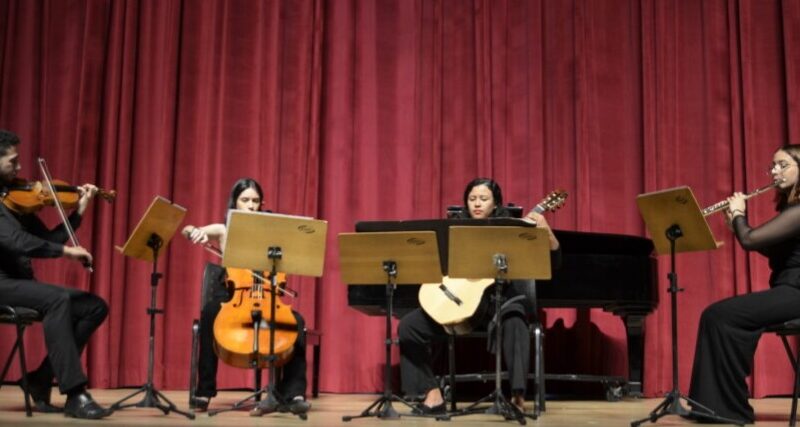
x,y
717,207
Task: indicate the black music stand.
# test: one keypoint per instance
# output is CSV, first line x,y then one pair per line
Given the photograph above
x,y
397,258
670,215
262,241
504,253
150,236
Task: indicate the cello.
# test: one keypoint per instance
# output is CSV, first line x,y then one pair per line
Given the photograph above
x,y
246,318
248,311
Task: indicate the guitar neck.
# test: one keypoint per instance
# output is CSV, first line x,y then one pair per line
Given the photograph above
x,y
536,209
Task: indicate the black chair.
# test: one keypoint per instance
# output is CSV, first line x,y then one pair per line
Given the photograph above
x,y
784,330
21,318
537,375
528,289
536,331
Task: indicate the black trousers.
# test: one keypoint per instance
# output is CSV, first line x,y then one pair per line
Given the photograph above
x,y
70,317
726,342
416,329
292,381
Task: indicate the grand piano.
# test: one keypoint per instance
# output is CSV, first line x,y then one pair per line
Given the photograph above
x,y
610,271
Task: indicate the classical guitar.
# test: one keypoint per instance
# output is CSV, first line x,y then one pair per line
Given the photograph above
x,y
452,302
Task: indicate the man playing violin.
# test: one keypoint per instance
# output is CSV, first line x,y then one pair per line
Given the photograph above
x,y
69,316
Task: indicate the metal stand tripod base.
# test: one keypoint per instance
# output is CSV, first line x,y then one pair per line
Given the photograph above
x,y
671,405
383,405
274,254
251,401
383,409
248,402
500,406
152,399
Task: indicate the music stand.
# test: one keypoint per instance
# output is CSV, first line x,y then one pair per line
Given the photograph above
x,y
670,215
505,253
152,234
397,258
261,241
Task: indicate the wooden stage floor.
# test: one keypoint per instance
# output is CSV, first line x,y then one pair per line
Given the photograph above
x,y
328,410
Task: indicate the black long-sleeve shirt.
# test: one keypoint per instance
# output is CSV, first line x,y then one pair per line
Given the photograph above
x,y
779,240
23,237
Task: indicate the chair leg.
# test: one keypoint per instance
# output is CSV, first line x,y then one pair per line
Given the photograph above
x,y
194,362
315,370
23,368
8,363
793,416
539,397
795,361
257,377
451,362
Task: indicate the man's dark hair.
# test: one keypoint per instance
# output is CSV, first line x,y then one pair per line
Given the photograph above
x,y
8,139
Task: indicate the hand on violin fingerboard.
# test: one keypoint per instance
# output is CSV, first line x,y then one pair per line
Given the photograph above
x,y
87,191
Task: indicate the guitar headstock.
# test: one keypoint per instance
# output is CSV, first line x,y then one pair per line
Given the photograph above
x,y
554,201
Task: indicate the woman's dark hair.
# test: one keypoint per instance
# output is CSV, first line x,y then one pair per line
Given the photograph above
x,y
784,199
241,185
497,195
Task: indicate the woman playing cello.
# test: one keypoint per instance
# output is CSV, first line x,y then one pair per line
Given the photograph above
x,y
246,194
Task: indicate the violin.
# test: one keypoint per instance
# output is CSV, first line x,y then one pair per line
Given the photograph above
x,y
24,197
50,188
234,327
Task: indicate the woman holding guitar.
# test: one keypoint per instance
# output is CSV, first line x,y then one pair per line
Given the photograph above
x,y
483,198
246,194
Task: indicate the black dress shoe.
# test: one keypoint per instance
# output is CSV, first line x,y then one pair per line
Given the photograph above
x,y
46,407
298,406
82,405
199,404
40,394
266,406
423,409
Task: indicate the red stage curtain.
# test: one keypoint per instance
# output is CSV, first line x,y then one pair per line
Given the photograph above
x,y
360,110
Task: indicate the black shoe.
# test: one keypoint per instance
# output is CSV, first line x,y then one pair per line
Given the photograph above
x,y
266,406
82,405
40,394
199,404
423,409
299,406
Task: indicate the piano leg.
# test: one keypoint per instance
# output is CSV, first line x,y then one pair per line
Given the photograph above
x,y
634,327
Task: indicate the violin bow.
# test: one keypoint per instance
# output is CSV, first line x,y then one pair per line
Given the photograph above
x,y
218,252
60,208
